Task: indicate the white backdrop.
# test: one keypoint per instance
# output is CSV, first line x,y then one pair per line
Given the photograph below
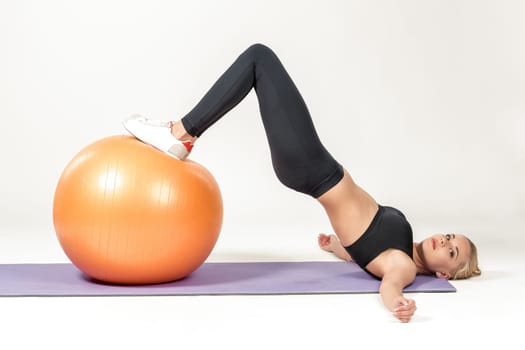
x,y
422,101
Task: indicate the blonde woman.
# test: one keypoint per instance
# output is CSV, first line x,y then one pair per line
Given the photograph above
x,y
378,238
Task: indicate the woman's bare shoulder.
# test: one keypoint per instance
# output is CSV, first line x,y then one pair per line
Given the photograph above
x,y
393,262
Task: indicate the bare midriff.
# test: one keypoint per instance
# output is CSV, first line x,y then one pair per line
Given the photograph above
x,y
349,208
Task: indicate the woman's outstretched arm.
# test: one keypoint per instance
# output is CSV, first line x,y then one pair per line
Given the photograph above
x,y
392,283
402,273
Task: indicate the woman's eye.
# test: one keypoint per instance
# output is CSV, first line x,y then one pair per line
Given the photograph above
x,y
451,252
447,236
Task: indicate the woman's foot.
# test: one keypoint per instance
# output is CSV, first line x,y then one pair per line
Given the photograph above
x,y
180,133
159,135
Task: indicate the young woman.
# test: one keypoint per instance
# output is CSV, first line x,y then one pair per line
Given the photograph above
x,y
378,238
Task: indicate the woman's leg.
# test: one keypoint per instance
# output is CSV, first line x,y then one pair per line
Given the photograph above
x,y
299,159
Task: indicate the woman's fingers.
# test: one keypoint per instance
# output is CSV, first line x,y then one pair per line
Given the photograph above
x,y
405,310
324,241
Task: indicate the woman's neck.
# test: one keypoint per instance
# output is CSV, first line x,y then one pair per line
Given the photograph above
x,y
419,260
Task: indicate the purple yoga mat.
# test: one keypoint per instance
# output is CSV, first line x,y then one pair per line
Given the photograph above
x,y
210,279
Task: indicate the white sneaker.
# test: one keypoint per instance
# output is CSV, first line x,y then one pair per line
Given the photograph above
x,y
157,134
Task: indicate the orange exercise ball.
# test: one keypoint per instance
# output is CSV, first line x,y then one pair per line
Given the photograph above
x,y
127,213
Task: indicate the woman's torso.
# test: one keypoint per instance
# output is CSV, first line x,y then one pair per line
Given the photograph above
x,y
389,230
372,231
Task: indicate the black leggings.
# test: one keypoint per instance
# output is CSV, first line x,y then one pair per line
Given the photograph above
x,y
299,159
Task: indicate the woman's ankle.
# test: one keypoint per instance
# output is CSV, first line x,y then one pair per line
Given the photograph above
x,y
179,132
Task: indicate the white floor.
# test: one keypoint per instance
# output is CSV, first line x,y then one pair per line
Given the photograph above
x,y
485,311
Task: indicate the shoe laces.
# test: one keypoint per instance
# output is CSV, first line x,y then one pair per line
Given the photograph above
x,y
152,122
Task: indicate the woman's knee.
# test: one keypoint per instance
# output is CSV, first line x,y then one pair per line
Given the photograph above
x,y
260,51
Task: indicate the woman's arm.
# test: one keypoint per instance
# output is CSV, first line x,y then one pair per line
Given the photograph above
x,y
331,244
399,273
391,290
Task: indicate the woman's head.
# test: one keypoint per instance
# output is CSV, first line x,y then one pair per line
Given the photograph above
x,y
450,256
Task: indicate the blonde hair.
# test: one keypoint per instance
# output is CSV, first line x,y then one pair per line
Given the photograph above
x,y
470,268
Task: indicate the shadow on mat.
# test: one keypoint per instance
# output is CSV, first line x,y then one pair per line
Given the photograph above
x,y
206,275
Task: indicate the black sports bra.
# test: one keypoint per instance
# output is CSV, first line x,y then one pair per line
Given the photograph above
x,y
388,230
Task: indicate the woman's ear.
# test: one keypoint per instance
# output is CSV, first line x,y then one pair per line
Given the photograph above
x,y
444,275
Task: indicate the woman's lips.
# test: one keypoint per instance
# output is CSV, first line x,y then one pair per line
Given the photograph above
x,y
433,244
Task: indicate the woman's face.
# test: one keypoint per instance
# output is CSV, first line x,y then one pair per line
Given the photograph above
x,y
444,253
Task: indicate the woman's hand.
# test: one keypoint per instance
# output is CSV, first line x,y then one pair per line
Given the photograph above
x,y
325,242
331,244
404,309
